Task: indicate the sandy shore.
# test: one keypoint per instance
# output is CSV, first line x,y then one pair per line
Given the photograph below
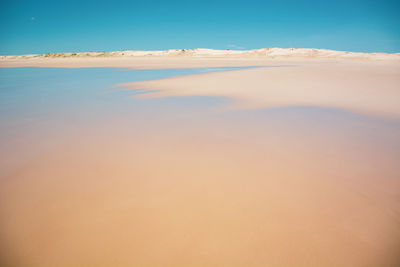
x,y
152,62
297,166
370,88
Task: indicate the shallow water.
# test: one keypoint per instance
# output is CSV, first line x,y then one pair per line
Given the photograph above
x,y
45,101
92,176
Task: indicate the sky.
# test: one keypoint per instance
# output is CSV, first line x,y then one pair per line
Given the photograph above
x,y
48,26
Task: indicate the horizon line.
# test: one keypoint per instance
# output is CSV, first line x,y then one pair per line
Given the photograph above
x,y
71,53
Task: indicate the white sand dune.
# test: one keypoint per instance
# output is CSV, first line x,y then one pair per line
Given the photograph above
x,y
203,52
184,58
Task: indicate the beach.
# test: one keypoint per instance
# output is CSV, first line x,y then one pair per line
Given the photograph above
x,y
290,160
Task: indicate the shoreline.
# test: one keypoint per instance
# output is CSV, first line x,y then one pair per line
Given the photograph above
x,y
368,88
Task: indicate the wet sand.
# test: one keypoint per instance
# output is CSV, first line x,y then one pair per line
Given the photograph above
x,y
268,176
365,87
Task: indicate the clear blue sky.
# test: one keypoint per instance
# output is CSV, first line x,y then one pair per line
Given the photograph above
x,y
47,26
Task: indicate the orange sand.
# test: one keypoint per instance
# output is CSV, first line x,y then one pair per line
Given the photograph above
x,y
221,188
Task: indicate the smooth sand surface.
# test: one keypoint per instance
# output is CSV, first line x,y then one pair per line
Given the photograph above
x,y
134,63
366,87
297,166
222,192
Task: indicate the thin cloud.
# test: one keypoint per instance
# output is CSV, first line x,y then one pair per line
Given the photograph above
x,y
233,46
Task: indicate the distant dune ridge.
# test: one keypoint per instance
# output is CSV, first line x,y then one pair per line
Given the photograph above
x,y
274,52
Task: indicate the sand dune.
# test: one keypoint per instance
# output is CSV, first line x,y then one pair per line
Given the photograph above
x,y
185,58
203,52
